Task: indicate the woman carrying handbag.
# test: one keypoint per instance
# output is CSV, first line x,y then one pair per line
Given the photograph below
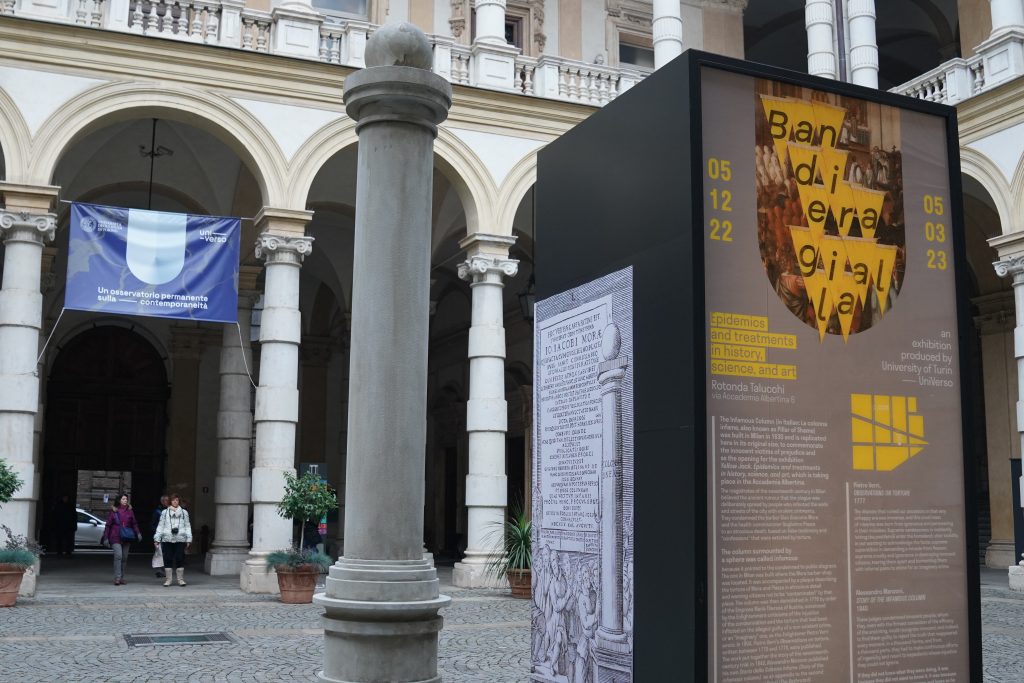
x,y
120,531
173,536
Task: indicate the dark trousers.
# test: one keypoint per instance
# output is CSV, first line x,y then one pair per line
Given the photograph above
x,y
174,555
65,542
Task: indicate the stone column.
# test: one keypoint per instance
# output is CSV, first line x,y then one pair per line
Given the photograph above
x,y
612,652
1006,14
820,21
1012,265
232,486
667,30
995,323
486,411
381,600
187,343
1003,51
26,223
863,44
493,60
283,245
490,21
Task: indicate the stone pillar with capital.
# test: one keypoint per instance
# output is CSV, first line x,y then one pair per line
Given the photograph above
x,y
26,223
863,43
1011,250
486,267
282,243
232,486
612,652
382,597
667,31
820,22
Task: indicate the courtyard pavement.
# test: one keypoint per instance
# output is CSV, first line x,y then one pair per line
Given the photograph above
x,y
73,631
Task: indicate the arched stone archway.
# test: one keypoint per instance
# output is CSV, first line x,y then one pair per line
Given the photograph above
x,y
114,103
105,421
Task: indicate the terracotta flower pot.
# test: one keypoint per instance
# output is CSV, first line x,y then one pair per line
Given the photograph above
x,y
297,585
10,582
519,582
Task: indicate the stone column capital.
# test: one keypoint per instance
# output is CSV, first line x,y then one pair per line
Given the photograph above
x,y
996,312
476,267
316,351
397,94
1011,266
27,226
731,5
283,248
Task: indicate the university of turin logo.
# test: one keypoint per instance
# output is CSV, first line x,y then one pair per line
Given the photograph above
x,y
886,431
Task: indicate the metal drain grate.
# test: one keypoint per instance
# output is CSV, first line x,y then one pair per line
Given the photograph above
x,y
140,639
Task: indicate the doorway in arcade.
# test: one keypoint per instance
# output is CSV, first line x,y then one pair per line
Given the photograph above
x,y
104,433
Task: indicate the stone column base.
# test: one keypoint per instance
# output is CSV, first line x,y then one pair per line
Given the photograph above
x,y
613,658
257,577
474,575
225,561
381,621
1000,554
28,581
1016,577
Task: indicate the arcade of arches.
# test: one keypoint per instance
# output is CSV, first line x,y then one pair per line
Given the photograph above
x,y
152,405
158,405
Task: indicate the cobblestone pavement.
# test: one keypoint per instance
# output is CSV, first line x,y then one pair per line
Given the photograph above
x,y
73,632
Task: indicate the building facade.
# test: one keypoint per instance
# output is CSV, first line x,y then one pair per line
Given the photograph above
x,y
228,107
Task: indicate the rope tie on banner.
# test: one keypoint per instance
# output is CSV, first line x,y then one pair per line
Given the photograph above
x,y
241,349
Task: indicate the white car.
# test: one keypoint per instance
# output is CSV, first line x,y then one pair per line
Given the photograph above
x,y
90,529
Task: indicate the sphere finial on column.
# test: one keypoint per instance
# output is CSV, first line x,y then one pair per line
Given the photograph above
x,y
399,44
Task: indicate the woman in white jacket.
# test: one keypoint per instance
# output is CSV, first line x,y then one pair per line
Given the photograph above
x,y
174,536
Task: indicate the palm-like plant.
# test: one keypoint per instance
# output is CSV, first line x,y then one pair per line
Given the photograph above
x,y
512,543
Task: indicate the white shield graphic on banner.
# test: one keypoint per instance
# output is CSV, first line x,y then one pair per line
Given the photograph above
x,y
156,245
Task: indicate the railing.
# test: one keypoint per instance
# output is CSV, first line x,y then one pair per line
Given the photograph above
x,y
593,84
86,12
193,20
525,74
336,41
254,32
951,82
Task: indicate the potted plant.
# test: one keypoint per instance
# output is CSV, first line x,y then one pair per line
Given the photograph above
x,y
18,553
513,551
297,570
305,498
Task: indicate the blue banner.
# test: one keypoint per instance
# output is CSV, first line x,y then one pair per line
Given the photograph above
x,y
153,263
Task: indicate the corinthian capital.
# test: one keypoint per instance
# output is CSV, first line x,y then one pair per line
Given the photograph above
x,y
479,265
283,248
24,226
1014,266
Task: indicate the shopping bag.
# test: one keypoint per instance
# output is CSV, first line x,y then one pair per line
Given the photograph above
x,y
158,558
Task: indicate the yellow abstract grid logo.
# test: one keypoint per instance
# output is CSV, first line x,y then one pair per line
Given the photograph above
x,y
886,431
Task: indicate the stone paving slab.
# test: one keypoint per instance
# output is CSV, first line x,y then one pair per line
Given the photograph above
x,y
74,631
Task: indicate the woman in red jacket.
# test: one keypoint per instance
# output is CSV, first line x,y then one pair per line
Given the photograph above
x,y
121,525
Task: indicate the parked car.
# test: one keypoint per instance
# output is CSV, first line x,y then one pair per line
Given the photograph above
x,y
90,529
